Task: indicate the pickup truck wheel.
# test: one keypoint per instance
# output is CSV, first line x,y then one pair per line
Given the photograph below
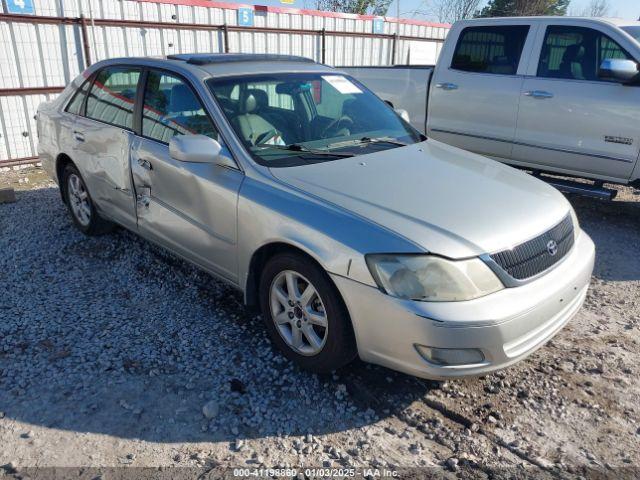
x,y
304,314
80,205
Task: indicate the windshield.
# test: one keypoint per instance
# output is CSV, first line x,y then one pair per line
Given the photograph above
x,y
292,119
633,31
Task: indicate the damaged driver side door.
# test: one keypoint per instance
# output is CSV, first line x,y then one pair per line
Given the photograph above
x,y
190,208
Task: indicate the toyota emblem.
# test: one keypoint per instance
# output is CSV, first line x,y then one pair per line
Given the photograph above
x,y
552,247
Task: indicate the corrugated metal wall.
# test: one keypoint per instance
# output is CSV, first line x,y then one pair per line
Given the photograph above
x,y
41,53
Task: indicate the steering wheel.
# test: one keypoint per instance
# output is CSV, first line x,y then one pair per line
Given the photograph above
x,y
266,136
336,124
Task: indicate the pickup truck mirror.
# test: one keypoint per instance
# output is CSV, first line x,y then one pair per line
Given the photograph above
x,y
198,149
622,70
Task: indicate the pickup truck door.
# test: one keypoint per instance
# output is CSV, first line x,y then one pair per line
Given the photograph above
x,y
102,135
475,89
190,208
570,119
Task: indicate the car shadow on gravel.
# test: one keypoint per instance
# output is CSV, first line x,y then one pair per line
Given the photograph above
x,y
614,226
114,335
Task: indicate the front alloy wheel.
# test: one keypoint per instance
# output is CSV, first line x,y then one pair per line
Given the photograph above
x,y
298,313
304,313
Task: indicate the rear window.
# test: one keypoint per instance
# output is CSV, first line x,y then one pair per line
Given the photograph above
x,y
495,50
111,97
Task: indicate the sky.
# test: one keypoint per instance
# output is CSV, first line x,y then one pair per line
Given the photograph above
x,y
628,9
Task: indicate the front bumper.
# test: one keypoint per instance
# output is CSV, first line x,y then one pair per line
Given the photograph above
x,y
506,326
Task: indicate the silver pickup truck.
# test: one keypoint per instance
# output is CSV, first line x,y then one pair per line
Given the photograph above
x,y
551,94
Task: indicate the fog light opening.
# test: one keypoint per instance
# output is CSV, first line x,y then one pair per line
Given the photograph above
x,y
450,356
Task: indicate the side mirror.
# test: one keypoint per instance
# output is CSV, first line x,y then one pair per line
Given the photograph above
x,y
622,70
403,114
198,149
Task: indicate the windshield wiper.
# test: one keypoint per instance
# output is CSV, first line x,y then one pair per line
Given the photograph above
x,y
296,147
383,140
368,140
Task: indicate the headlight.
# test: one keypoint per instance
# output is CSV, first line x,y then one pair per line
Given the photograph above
x,y
431,278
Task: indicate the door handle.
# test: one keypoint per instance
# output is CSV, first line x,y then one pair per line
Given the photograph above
x,y
79,136
447,86
540,94
144,163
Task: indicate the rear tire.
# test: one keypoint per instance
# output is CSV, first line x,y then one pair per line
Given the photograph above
x,y
305,315
83,212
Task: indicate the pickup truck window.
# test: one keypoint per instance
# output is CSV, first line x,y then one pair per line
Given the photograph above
x,y
494,50
288,119
171,108
111,97
575,53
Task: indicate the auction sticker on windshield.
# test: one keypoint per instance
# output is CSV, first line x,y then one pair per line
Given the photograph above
x,y
342,84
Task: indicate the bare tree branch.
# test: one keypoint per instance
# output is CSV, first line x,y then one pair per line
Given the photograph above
x,y
597,8
448,11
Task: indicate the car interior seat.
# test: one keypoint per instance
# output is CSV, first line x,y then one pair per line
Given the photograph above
x,y
572,60
186,111
250,124
501,65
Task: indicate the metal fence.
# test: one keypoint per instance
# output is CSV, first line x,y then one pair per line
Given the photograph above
x,y
41,53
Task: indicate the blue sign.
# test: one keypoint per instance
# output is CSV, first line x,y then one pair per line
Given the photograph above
x,y
20,6
378,25
245,17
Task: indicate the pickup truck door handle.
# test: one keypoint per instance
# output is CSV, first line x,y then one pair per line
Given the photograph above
x,y
79,136
146,164
447,86
541,94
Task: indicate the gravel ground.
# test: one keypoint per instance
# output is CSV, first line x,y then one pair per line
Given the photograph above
x,y
113,353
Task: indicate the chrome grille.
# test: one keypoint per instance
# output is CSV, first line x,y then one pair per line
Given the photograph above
x,y
533,257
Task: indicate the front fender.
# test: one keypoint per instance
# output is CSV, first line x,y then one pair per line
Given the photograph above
x,y
335,238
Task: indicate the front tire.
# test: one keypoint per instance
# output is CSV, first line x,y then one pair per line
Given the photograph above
x,y
305,315
83,212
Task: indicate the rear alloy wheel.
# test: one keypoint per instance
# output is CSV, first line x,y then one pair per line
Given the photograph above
x,y
79,202
305,315
78,199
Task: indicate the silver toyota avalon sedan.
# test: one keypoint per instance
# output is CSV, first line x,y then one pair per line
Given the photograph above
x,y
353,234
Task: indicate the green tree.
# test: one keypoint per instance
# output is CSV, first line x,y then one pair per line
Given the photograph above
x,y
362,7
520,8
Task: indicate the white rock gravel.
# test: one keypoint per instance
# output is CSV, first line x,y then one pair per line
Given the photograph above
x,y
113,352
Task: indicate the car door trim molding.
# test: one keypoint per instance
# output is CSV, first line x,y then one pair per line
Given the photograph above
x,y
190,220
531,145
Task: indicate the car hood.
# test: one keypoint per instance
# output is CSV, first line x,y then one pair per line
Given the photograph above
x,y
443,199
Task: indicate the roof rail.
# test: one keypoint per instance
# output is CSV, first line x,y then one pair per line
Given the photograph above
x,y
209,58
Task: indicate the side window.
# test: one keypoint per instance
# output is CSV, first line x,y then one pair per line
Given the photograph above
x,y
112,96
171,108
75,105
576,53
495,50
